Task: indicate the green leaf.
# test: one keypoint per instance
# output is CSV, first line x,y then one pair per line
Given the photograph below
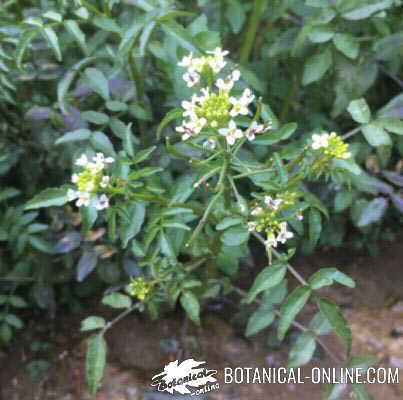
x,y
393,125
363,361
348,165
235,15
191,305
235,235
53,41
372,212
95,362
228,222
54,16
267,278
116,106
315,227
169,117
166,245
361,392
142,155
107,24
23,44
98,82
292,305
102,143
14,321
376,135
320,34
144,172
359,111
78,35
259,320
363,11
95,117
336,319
302,350
277,135
180,35
74,136
48,198
320,325
86,264
326,277
347,44
117,300
65,83
316,66
343,200
131,227
92,322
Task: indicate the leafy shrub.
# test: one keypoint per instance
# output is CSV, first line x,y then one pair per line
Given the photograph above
x,y
164,212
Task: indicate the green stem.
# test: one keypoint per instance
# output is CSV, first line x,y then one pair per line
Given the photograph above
x,y
206,214
92,8
351,133
119,317
251,31
293,271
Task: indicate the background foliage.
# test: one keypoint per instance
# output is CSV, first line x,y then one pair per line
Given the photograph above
x,y
92,75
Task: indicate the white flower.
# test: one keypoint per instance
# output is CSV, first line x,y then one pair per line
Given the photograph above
x,y
232,133
74,178
191,78
272,203
84,199
197,64
227,84
284,235
82,161
197,125
254,129
186,61
102,202
257,211
105,181
210,144
251,226
300,217
218,52
271,241
217,62
72,194
190,107
319,141
240,106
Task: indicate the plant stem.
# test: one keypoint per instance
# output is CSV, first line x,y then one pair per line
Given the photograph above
x,y
351,133
119,317
292,270
299,326
205,217
251,31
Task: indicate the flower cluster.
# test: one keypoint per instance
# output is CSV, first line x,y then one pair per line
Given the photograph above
x,y
139,288
212,111
267,218
330,145
91,181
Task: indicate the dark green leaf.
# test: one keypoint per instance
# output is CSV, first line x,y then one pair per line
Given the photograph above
x,y
293,304
95,362
336,319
